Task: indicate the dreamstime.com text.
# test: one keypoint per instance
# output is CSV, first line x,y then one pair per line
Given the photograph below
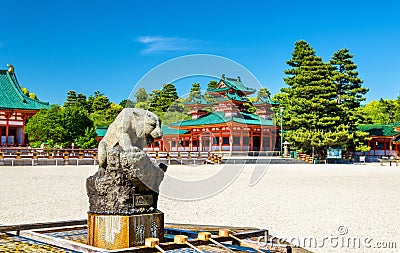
x,y
342,240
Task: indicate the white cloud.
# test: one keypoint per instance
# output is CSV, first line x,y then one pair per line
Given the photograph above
x,y
159,44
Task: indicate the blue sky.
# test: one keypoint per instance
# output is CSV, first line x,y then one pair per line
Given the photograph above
x,y
56,46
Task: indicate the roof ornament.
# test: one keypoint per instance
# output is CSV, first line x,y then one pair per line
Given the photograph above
x,y
239,79
223,76
10,68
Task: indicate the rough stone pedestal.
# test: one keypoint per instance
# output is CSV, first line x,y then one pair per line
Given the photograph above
x,y
123,231
123,192
123,200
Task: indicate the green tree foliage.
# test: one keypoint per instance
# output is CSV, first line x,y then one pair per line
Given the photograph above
x,y
102,110
74,121
349,89
349,94
81,101
74,99
311,116
310,90
166,104
46,126
384,111
263,92
161,100
212,84
154,103
104,118
90,100
168,96
141,95
88,140
249,106
60,126
71,98
127,103
100,103
195,91
57,126
208,97
173,116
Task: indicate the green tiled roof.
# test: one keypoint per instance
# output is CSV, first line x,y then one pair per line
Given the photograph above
x,y
378,129
172,131
12,97
219,118
197,100
218,90
101,131
232,96
236,85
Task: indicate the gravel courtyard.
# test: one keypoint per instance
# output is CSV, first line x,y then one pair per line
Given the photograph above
x,y
338,208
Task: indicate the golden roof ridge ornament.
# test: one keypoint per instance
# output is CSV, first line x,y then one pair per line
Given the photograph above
x,y
10,68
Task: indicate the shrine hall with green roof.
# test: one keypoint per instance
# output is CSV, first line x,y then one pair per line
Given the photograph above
x,y
228,127
15,109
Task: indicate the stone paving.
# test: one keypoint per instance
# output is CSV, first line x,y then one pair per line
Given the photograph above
x,y
302,203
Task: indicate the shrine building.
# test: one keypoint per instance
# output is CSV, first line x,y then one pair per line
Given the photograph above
x,y
222,122
15,109
385,140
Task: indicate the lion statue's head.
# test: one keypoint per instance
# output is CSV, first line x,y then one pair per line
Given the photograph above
x,y
152,127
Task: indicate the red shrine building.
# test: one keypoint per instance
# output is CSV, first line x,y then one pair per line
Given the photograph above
x,y
15,109
385,140
222,122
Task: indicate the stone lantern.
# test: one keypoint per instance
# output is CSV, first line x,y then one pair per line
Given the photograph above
x,y
286,148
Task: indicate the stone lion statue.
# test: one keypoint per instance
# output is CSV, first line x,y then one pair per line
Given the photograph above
x,y
132,129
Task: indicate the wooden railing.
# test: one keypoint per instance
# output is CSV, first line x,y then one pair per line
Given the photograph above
x,y
181,157
34,157
29,156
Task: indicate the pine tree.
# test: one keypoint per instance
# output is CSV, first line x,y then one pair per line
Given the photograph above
x,y
155,102
168,95
208,97
311,90
195,91
163,100
349,90
100,103
141,95
71,98
263,92
310,111
212,85
81,101
349,94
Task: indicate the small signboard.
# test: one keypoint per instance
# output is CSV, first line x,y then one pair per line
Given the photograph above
x,y
334,153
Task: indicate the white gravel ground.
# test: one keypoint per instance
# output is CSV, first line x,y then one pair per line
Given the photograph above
x,y
298,202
